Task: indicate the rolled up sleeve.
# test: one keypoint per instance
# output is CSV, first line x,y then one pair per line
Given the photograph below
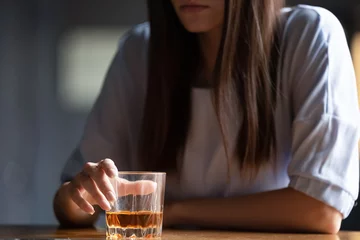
x,y
325,128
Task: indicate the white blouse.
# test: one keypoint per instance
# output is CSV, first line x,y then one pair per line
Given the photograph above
x,y
317,119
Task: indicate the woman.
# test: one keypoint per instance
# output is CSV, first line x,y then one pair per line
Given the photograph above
x,y
249,107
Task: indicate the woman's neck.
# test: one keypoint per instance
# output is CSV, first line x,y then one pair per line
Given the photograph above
x,y
209,44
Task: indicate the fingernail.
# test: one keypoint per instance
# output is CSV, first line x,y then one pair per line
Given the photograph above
x,y
111,196
108,207
91,211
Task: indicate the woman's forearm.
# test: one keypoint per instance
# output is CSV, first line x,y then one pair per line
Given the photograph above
x,y
280,210
68,213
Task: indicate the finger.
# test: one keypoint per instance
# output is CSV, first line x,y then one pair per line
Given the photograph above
x,y
98,184
76,197
89,167
81,202
141,187
109,167
103,183
91,187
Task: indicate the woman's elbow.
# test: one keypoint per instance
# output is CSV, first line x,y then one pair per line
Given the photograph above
x,y
328,220
317,216
333,224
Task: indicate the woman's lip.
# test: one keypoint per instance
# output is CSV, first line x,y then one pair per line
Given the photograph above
x,y
193,8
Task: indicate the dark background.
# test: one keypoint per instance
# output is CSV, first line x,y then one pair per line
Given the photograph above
x,y
48,48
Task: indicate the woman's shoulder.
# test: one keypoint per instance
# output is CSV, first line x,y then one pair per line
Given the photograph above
x,y
308,19
136,35
139,31
133,44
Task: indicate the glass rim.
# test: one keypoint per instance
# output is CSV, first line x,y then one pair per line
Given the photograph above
x,y
141,173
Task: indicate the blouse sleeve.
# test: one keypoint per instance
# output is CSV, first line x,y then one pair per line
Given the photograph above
x,y
325,128
107,129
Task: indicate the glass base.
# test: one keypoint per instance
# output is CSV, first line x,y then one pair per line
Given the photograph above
x,y
133,233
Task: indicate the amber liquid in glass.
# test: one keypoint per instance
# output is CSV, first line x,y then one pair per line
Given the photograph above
x,y
141,224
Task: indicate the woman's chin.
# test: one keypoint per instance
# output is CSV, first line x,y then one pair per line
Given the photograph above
x,y
197,29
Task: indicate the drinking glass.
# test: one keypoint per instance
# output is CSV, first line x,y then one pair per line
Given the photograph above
x,y
138,211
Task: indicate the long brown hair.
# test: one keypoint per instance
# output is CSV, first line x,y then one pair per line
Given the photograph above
x,y
243,82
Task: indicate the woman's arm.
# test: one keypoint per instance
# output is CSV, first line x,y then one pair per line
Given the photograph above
x,y
280,210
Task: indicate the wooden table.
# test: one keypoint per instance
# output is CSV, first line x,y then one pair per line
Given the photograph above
x,y
48,232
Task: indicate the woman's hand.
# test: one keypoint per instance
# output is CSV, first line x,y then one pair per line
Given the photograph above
x,y
96,183
92,186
